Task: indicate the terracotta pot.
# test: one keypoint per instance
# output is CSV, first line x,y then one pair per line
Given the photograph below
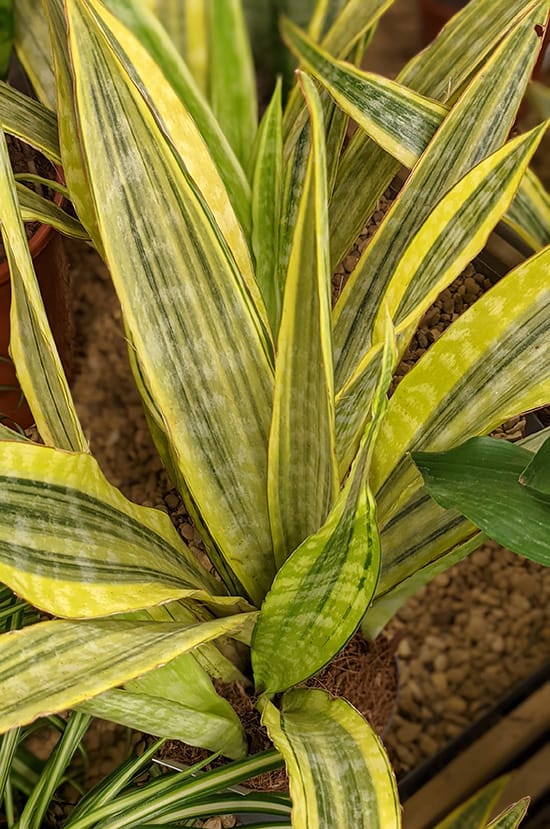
x,y
435,13
51,268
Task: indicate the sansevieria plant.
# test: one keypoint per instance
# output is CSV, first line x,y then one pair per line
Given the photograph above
x,y
269,408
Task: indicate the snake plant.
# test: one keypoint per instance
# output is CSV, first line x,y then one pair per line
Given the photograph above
x,y
268,407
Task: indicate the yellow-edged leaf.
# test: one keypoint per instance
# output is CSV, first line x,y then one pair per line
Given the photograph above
x,y
339,774
32,44
30,121
199,342
75,547
55,665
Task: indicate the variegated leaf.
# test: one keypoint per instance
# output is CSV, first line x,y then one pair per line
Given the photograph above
x,y
474,814
267,182
33,48
491,364
512,817
231,76
32,347
302,473
30,121
74,546
187,25
322,591
35,208
366,170
56,665
447,159
182,294
177,73
338,770
450,236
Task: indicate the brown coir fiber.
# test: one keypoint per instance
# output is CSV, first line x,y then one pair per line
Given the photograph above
x,y
363,673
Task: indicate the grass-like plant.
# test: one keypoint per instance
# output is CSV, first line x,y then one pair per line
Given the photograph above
x,y
268,407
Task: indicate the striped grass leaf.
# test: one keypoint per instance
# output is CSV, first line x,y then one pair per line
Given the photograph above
x,y
475,812
322,591
529,213
366,169
232,82
177,73
302,474
32,347
267,182
58,664
6,35
446,160
30,121
32,44
35,208
182,294
82,549
189,793
481,478
450,236
491,364
338,770
512,817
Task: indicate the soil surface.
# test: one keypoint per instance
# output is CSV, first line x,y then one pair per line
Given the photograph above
x,y
471,634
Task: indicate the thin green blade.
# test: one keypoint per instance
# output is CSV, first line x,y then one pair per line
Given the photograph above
x,y
512,817
339,774
536,475
475,812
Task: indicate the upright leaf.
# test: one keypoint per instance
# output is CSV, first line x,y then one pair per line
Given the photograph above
x,y
512,816
536,475
32,44
302,481
56,665
322,591
481,478
475,811
32,346
182,294
267,181
338,770
231,75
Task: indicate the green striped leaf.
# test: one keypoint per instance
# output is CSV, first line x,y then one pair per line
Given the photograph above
x,y
366,170
82,549
448,158
146,704
529,213
302,477
339,773
267,182
536,475
322,591
491,364
56,665
481,478
187,25
177,74
231,76
33,48
450,236
29,121
35,208
32,347
188,299
512,817
474,813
